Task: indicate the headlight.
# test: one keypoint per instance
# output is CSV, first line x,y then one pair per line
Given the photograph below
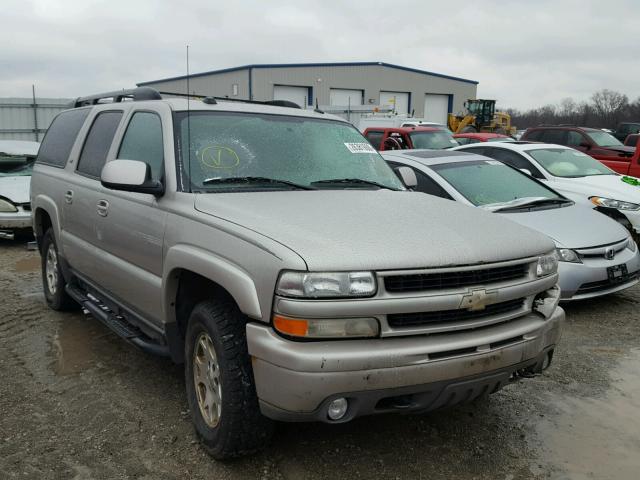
x,y
547,264
611,203
327,327
631,244
7,206
568,255
326,284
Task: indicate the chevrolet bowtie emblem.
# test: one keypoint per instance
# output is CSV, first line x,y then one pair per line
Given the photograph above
x,y
478,299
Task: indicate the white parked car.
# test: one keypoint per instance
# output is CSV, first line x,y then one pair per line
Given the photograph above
x,y
576,175
597,256
16,164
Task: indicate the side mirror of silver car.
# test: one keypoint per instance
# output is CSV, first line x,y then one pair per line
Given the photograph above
x,y
408,176
130,176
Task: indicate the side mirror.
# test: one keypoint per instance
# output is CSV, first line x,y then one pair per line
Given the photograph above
x,y
526,170
408,176
130,176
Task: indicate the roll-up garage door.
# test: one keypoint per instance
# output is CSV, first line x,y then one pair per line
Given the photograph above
x,y
345,97
436,108
299,95
399,99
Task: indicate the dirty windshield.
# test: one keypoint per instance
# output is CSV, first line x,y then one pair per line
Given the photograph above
x,y
240,152
568,163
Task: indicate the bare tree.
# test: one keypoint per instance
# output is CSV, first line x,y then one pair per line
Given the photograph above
x,y
609,105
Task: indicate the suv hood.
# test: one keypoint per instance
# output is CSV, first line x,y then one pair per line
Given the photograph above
x,y
575,226
619,148
16,188
376,229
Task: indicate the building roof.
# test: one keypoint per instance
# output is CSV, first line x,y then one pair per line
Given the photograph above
x,y
306,65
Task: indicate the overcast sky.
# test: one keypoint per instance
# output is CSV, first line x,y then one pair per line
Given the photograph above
x,y
523,53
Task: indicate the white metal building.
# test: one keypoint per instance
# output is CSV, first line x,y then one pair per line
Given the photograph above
x,y
28,119
335,85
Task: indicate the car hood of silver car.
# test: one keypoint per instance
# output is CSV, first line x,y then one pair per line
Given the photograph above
x,y
15,189
376,229
573,226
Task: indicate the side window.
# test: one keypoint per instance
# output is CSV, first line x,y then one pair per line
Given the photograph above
x,y
575,139
555,136
96,146
534,135
375,138
143,141
61,136
425,183
513,159
631,140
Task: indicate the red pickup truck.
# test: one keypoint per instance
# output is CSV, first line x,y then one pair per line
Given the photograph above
x,y
401,138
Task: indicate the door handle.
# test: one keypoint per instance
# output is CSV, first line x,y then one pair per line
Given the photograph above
x,y
68,197
103,208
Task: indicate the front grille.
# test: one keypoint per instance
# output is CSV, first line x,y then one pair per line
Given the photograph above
x,y
593,287
458,279
458,315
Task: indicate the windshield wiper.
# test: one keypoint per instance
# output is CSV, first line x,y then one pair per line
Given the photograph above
x,y
525,202
254,180
356,181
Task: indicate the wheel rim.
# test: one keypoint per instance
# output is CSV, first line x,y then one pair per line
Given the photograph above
x,y
206,377
51,269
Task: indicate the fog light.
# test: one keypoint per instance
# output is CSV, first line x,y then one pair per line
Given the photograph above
x,y
337,408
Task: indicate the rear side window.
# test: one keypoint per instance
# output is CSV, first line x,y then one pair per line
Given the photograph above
x,y
143,141
555,136
61,135
375,138
514,159
533,135
98,142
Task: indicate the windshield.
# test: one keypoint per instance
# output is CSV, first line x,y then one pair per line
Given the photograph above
x,y
566,162
298,150
604,139
485,182
14,166
436,140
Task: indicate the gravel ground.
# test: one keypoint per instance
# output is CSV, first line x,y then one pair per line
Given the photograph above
x,y
78,402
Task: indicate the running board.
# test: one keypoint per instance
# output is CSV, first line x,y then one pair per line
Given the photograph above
x,y
117,323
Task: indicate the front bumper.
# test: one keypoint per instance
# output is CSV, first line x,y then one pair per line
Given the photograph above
x,y
579,281
13,221
295,381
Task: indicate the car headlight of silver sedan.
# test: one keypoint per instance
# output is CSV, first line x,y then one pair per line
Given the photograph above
x,y
326,284
6,206
547,264
568,255
611,203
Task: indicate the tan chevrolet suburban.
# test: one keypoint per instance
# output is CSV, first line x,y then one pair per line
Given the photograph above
x,y
272,251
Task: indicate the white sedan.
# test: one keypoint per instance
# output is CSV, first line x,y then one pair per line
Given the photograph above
x,y
576,175
16,164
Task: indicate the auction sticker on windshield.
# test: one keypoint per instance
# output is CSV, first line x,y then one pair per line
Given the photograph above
x,y
360,148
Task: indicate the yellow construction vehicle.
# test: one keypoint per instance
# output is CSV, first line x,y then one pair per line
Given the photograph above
x,y
481,117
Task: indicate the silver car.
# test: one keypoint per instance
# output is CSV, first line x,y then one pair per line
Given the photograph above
x,y
16,164
597,256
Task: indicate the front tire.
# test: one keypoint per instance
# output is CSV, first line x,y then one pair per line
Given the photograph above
x,y
53,281
219,382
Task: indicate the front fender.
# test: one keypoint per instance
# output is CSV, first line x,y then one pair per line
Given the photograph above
x,y
228,275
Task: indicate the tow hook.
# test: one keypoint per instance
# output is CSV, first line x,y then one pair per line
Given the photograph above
x,y
533,371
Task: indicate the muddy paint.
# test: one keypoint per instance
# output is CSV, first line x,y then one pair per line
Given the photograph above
x,y
599,436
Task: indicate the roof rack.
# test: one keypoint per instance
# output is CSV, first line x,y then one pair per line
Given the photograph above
x,y
212,100
135,94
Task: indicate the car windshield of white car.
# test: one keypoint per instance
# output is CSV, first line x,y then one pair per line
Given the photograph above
x,y
568,163
490,182
234,152
16,166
